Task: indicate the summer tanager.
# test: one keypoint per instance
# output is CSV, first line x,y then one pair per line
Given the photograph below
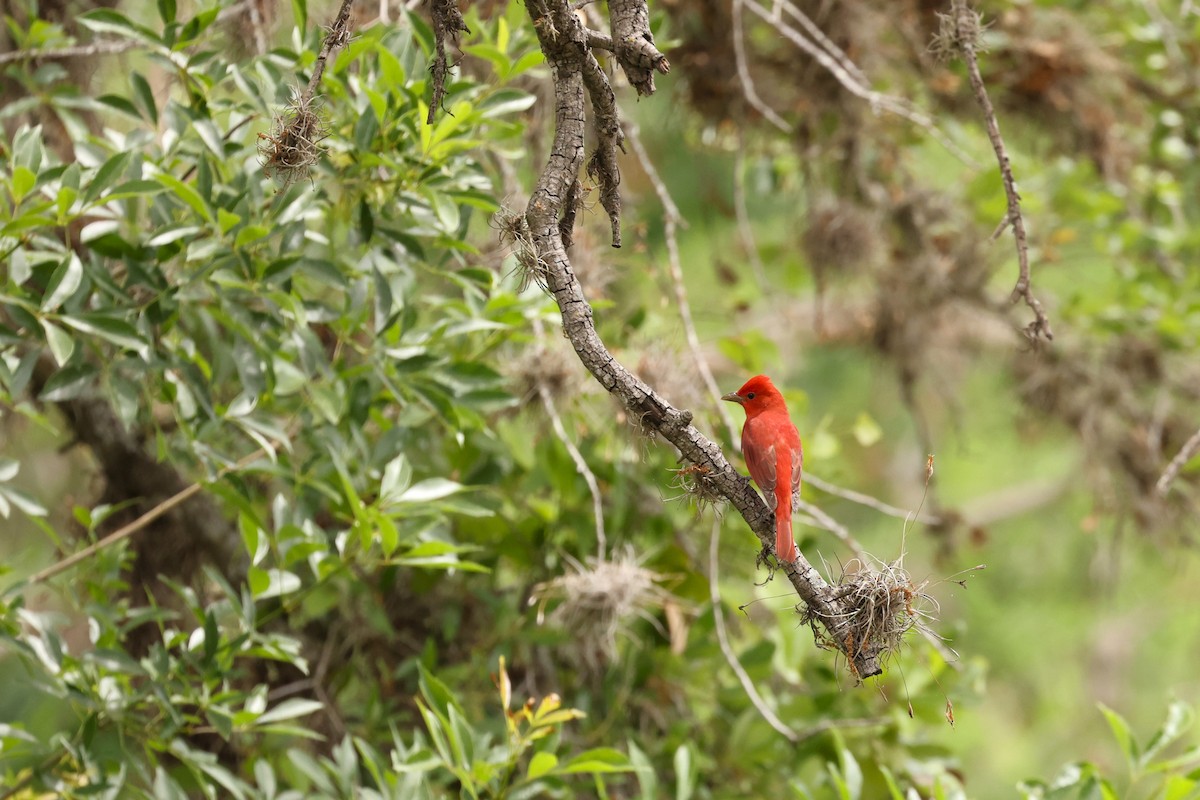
x,y
772,448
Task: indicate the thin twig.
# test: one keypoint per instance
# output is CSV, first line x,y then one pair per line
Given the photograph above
x,y
745,230
868,501
837,724
714,593
877,100
581,465
671,220
830,524
743,70
104,47
138,524
1189,449
337,38
109,46
966,25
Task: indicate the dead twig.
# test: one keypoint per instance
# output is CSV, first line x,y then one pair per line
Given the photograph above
x,y
1189,449
714,593
960,30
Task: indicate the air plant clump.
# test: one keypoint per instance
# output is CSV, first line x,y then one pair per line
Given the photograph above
x,y
961,27
513,230
543,366
598,601
697,484
880,607
288,152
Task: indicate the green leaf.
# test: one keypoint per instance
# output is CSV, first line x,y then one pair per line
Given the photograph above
x,y
61,344
272,583
429,489
1180,717
111,329
107,21
210,136
541,764
64,282
166,11
145,96
68,383
300,14
1122,734
108,172
22,501
289,709
599,760
187,194
685,777
23,179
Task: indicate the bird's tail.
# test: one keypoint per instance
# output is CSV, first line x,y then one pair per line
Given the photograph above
x,y
785,545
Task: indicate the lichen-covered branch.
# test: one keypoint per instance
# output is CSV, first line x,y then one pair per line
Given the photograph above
x,y
633,44
564,42
447,21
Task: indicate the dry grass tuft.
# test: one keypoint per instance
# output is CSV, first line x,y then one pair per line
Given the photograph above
x,y
513,230
881,605
598,601
697,484
289,151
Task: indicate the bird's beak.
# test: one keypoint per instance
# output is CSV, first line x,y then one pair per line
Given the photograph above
x,y
733,397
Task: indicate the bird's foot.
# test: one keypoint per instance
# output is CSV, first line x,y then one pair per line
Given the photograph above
x,y
764,558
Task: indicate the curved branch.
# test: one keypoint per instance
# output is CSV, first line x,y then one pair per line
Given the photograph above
x,y
564,42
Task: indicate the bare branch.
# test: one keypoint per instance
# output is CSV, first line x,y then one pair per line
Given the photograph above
x,y
830,524
745,231
634,48
104,47
714,593
962,29
671,221
564,42
743,70
581,465
138,524
447,21
877,100
868,501
602,166
1189,449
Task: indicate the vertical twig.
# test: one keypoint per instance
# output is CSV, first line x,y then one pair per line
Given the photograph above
x,y
671,220
743,70
745,230
714,593
581,465
964,32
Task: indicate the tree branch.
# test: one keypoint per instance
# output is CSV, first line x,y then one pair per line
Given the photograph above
x,y
964,25
564,42
1189,449
447,21
633,44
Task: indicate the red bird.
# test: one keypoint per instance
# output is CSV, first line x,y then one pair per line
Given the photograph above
x,y
772,447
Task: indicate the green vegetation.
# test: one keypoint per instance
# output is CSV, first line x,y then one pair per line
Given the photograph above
x,y
290,474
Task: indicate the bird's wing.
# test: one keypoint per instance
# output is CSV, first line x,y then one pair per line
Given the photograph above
x,y
761,463
797,465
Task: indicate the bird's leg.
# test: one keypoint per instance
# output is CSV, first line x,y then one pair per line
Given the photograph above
x,y
764,558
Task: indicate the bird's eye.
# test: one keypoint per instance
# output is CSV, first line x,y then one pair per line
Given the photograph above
x,y
750,396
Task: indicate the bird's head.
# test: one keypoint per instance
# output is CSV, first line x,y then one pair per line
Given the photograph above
x,y
757,395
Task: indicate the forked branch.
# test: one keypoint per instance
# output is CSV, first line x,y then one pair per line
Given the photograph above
x,y
564,41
